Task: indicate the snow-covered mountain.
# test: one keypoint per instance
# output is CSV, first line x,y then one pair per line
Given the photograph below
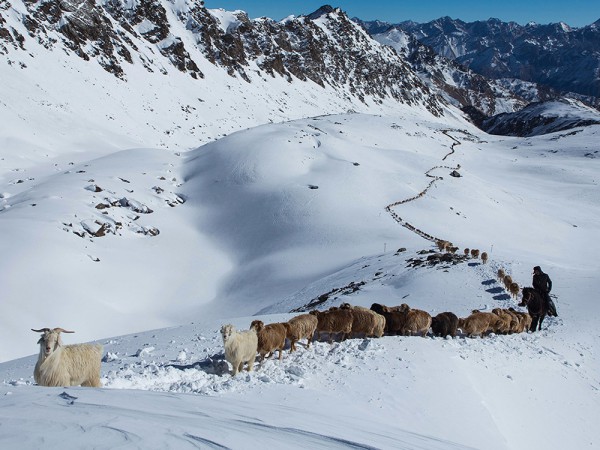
x,y
555,55
162,37
460,86
543,118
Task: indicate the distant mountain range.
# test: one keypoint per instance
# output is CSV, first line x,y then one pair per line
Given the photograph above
x,y
555,56
475,94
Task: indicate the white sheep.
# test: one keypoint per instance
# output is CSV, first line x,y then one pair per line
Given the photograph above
x,y
69,365
240,347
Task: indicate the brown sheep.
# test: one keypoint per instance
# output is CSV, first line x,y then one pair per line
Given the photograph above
x,y
441,244
527,319
475,253
504,326
514,290
416,321
507,281
379,325
515,321
501,275
271,337
524,319
467,252
444,324
364,321
333,322
478,323
300,327
484,258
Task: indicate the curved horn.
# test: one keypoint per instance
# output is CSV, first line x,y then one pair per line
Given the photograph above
x,y
42,330
60,330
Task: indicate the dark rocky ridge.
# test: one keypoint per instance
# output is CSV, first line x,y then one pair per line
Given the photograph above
x,y
325,47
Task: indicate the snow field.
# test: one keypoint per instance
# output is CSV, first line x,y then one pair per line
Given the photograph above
x,y
253,237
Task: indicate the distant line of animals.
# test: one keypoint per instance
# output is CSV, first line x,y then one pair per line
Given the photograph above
x,y
407,225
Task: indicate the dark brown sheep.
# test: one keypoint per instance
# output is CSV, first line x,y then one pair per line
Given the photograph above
x,y
394,320
444,324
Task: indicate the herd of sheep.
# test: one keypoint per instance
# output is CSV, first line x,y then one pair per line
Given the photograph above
x,y
79,364
241,347
345,321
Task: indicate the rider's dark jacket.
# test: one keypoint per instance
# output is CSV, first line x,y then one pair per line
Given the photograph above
x,y
542,283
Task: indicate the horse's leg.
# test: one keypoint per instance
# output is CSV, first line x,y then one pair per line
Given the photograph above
x,y
534,322
541,320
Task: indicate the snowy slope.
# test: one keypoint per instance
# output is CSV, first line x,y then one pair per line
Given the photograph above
x,y
252,231
266,241
70,125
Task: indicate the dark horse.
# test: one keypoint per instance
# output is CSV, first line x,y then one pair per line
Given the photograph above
x,y
536,306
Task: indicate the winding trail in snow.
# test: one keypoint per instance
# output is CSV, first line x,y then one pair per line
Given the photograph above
x,y
404,223
408,225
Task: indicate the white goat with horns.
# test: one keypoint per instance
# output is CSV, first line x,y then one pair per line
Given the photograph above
x,y
71,365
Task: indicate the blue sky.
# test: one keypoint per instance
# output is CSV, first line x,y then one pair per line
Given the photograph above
x,y
574,12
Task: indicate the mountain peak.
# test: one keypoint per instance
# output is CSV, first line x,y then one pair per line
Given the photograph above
x,y
323,10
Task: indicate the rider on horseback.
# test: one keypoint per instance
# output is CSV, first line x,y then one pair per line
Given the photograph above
x,y
543,284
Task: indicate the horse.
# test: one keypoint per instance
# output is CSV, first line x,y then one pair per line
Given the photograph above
x,y
536,306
